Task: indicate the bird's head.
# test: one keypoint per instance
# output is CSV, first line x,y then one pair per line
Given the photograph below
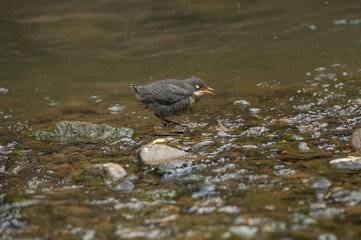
x,y
198,86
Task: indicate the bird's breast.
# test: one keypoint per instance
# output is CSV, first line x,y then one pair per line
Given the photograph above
x,y
192,100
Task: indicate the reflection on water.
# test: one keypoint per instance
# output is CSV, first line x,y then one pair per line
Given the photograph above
x,y
286,76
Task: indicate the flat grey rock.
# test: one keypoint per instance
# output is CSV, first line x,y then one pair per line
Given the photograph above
x,y
347,163
155,154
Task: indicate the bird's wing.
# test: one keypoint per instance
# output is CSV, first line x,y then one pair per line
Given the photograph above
x,y
166,94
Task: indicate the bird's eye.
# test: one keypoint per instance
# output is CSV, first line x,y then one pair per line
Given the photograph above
x,y
197,86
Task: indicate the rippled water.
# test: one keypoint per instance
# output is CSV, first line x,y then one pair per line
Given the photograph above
x,y
287,81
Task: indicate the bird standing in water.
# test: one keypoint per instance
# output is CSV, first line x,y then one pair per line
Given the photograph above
x,y
171,96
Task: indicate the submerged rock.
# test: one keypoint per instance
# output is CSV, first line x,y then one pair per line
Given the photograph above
x,y
70,130
353,163
155,154
110,171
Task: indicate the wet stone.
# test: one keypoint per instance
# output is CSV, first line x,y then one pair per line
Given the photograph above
x,y
74,130
244,231
327,236
242,103
116,109
203,144
255,131
205,190
273,227
138,232
300,221
150,178
3,90
229,209
327,212
174,167
292,137
303,147
356,140
249,146
155,154
124,187
322,183
110,171
347,163
303,129
255,110
351,198
280,170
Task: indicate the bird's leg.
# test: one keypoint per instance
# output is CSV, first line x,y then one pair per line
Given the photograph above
x,y
167,121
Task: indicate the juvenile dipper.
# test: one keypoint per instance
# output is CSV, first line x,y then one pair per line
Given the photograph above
x,y
171,96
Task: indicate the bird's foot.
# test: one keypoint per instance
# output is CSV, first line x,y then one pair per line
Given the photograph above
x,y
176,124
172,124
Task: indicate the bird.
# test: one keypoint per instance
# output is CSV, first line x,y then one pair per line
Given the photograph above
x,y
171,97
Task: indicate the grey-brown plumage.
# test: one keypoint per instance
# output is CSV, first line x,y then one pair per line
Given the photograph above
x,y
171,96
